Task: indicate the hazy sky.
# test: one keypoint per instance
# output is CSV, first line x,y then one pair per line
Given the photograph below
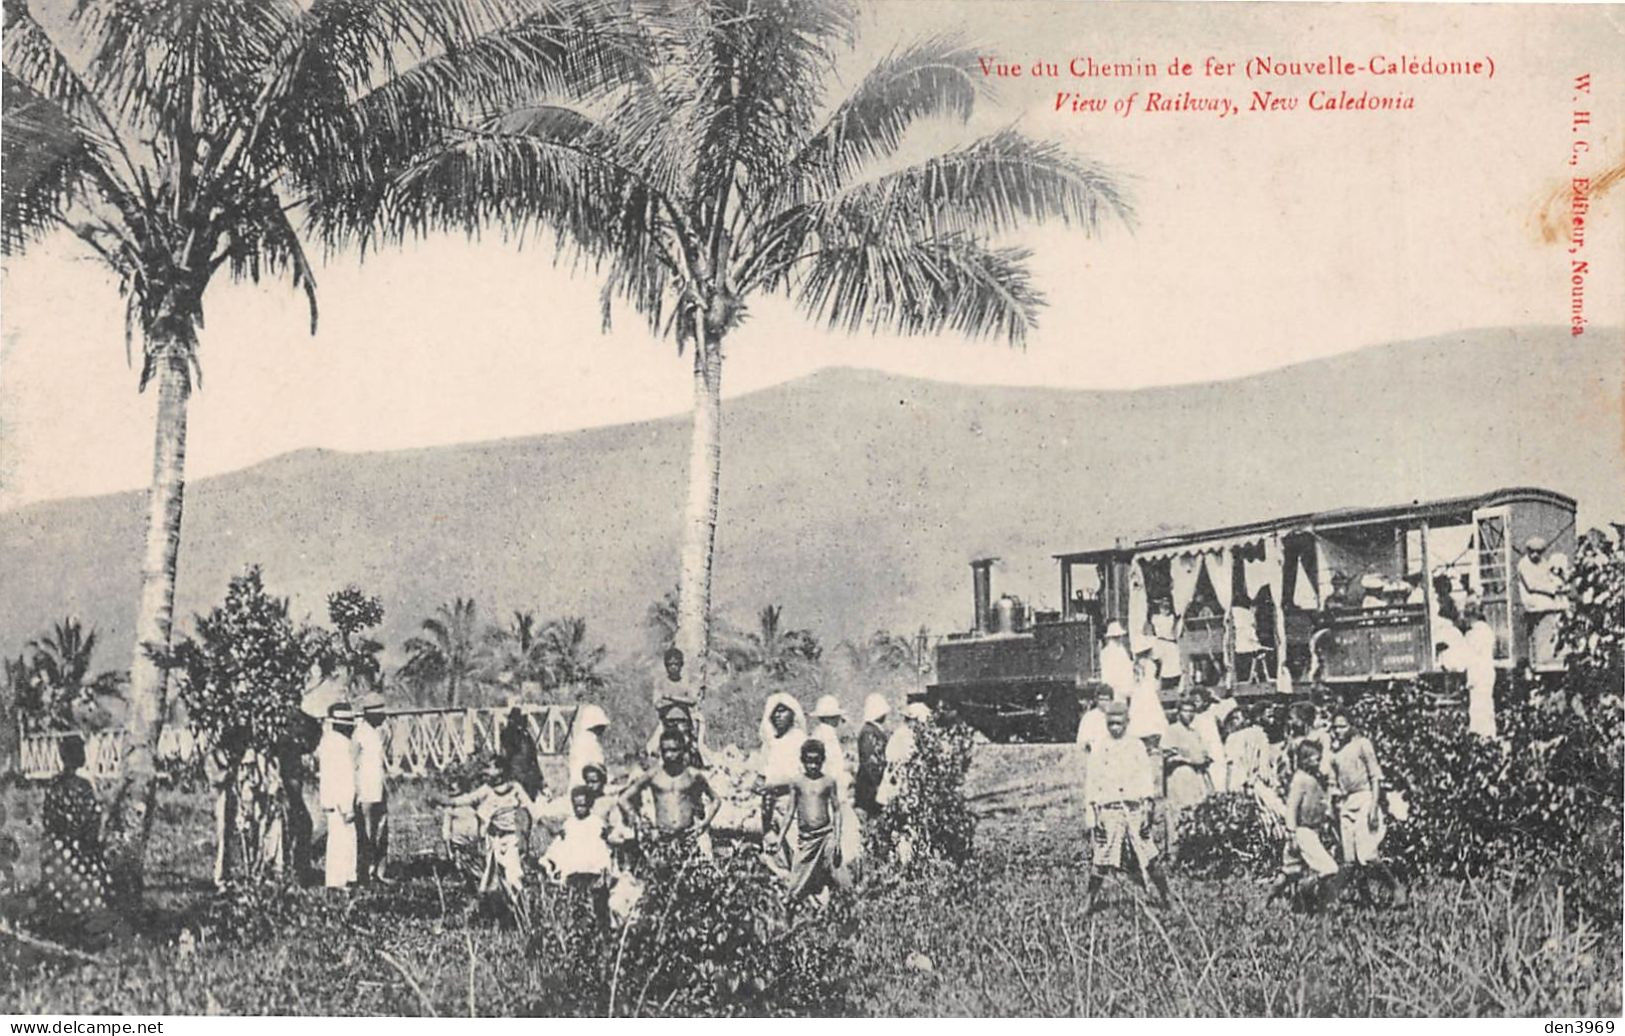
x,y
1262,240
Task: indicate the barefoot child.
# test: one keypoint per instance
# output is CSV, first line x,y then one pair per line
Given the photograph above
x,y
580,854
684,804
1119,785
817,813
579,857
504,812
1307,869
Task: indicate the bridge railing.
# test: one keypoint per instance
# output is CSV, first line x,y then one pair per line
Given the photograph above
x,y
417,742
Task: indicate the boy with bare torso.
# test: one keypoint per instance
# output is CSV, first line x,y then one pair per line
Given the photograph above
x,y
818,823
684,804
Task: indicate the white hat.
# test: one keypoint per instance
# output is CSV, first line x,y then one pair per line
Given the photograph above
x,y
917,710
1116,629
1373,581
828,708
875,708
1534,543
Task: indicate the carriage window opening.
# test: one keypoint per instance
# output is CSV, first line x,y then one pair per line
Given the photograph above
x,y
1413,553
1088,588
1452,559
1158,579
1300,585
1205,601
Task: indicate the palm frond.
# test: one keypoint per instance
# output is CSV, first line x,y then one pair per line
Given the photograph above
x,y
921,287
42,166
516,181
750,74
177,71
932,77
261,239
368,127
989,187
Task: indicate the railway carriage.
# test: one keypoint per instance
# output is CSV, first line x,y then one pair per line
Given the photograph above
x,y
1351,598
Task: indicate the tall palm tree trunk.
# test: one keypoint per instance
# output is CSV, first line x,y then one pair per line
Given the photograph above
x,y
700,515
148,682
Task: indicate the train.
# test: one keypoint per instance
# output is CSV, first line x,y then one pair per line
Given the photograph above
x,y
1349,598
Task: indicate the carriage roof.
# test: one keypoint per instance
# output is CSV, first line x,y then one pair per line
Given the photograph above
x,y
1402,515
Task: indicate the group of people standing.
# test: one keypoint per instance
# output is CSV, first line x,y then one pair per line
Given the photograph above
x,y
1141,767
812,795
353,792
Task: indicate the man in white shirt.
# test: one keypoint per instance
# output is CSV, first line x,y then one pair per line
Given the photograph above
x,y
336,772
1248,647
1540,579
1118,788
1092,725
371,793
1542,591
1479,644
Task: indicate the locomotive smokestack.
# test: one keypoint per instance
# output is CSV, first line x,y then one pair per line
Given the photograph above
x,y
981,571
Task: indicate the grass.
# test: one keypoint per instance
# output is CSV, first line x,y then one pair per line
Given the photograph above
x,y
1003,935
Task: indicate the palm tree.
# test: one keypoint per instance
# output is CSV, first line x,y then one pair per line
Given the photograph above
x,y
60,668
882,652
448,652
660,621
570,660
721,174
776,652
172,138
516,653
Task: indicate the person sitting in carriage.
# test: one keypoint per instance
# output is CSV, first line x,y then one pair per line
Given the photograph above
x,y
1344,595
1165,641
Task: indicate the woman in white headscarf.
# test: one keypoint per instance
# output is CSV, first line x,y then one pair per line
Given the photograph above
x,y
783,730
586,748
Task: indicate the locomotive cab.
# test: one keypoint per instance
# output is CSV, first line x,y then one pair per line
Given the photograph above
x,y
1018,674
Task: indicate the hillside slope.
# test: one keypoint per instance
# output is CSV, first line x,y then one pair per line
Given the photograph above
x,y
853,498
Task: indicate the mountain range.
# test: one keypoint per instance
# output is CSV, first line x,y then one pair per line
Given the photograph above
x,y
852,498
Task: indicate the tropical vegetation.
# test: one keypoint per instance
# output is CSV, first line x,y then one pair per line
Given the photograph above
x,y
52,680
173,140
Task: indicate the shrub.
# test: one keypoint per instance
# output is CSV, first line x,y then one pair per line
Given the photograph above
x,y
243,675
930,813
1225,836
709,937
1534,793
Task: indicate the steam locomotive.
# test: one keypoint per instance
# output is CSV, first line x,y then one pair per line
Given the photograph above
x,y
1351,598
